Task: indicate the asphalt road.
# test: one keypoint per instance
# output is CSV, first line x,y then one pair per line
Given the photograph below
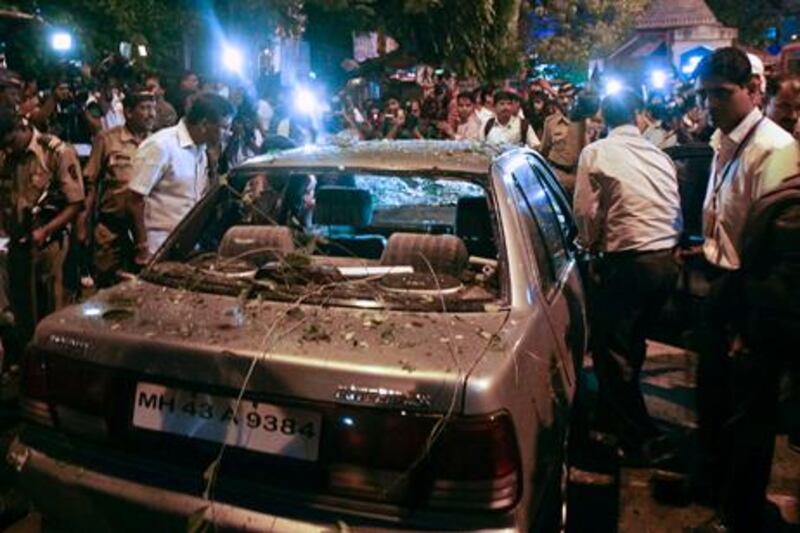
x,y
603,497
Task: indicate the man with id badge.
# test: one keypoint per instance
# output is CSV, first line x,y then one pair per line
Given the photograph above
x,y
743,142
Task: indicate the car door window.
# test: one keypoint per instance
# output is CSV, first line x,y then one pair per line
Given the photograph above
x,y
547,221
547,248
557,201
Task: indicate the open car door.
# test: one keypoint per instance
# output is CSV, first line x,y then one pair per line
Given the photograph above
x,y
682,311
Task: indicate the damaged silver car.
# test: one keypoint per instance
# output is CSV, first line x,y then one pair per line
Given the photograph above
x,y
374,336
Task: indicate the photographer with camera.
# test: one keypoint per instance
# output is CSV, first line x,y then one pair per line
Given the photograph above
x,y
62,114
46,193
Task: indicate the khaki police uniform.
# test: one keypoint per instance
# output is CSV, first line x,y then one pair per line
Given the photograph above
x,y
108,172
562,141
47,168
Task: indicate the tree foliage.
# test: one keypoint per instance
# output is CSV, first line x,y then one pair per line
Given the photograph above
x,y
476,37
752,17
578,30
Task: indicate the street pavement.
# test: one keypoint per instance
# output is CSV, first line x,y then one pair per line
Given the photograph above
x,y
604,497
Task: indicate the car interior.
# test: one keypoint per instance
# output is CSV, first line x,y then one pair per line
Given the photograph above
x,y
371,225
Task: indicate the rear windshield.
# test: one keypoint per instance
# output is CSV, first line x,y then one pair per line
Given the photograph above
x,y
412,242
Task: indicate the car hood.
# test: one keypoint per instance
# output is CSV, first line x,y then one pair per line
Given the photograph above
x,y
420,360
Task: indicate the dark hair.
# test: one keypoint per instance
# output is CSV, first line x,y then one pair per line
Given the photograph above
x,y
774,84
136,95
187,73
468,95
484,91
502,94
388,97
620,109
8,120
586,105
209,106
729,63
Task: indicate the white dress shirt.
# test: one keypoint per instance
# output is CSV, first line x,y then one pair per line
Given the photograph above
x,y
510,133
469,130
626,195
484,114
171,172
736,183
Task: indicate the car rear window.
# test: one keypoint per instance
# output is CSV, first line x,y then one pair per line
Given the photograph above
x,y
403,241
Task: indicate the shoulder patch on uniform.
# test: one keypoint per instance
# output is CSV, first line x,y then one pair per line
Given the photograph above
x,y
51,142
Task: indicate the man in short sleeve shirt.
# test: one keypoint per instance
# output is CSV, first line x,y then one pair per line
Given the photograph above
x,y
170,172
46,194
108,174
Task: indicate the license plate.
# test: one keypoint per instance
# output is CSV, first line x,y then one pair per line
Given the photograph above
x,y
255,426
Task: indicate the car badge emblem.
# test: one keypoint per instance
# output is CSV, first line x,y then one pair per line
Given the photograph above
x,y
382,397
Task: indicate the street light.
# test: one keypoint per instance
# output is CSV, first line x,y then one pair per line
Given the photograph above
x,y
61,41
232,58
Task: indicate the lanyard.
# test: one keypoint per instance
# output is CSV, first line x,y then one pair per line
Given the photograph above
x,y
718,183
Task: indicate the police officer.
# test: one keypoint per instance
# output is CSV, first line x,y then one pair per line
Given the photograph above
x,y
46,193
107,175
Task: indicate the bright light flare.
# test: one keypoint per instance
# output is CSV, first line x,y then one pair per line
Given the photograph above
x,y
658,79
61,41
232,59
613,86
305,101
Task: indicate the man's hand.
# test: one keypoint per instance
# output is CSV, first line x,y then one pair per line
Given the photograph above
x,y
82,227
682,255
38,237
142,254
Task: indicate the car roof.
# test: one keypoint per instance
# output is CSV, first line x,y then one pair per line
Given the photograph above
x,y
456,157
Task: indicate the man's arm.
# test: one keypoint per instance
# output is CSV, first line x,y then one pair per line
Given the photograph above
x,y
532,140
135,210
588,209
92,175
148,168
70,182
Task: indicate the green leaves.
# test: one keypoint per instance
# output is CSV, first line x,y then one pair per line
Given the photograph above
x,y
585,29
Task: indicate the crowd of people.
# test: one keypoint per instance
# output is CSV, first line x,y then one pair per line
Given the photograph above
x,y
74,219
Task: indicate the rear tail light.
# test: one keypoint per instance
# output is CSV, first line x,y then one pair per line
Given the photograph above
x,y
467,463
59,392
33,392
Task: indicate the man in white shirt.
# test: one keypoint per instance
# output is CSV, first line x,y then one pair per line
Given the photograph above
x,y
170,171
627,208
506,127
743,143
469,125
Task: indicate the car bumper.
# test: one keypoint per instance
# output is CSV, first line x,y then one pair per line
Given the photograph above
x,y
73,495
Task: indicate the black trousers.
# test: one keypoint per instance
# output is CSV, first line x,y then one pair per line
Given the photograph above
x,y
754,419
631,288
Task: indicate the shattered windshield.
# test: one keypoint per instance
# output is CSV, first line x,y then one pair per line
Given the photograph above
x,y
371,240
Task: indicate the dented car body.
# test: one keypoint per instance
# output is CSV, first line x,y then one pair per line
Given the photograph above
x,y
382,335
